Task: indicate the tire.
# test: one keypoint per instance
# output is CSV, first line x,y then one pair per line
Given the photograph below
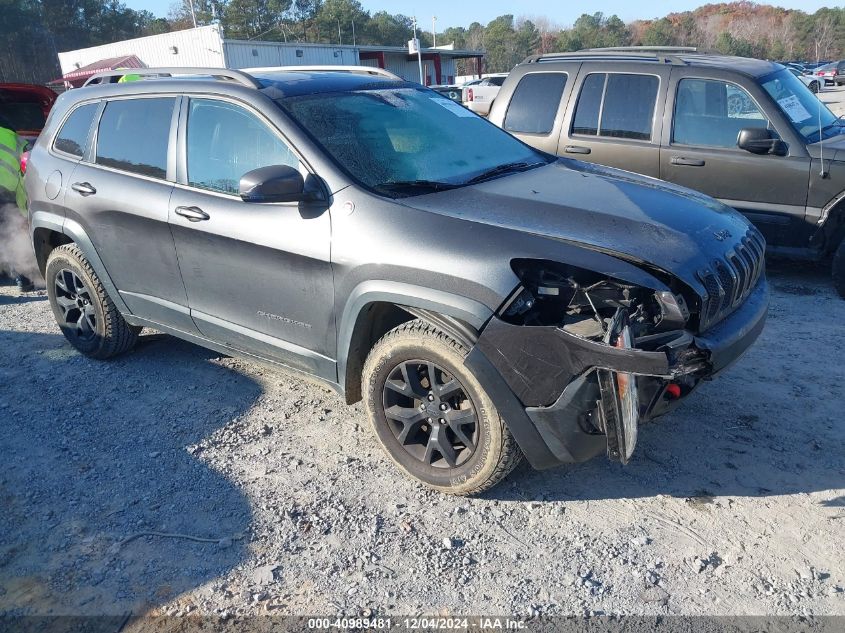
x,y
86,315
489,452
838,269
814,87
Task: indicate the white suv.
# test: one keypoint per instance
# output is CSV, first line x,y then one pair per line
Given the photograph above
x,y
479,96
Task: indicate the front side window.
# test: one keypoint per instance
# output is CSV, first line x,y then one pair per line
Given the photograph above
x,y
534,103
225,141
408,141
617,105
73,137
133,135
711,113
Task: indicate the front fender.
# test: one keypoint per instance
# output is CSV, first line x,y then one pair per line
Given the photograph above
x,y
401,294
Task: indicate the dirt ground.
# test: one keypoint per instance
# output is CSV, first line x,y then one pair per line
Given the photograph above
x,y
174,481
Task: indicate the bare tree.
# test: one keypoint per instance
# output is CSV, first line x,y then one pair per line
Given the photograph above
x,y
824,36
548,29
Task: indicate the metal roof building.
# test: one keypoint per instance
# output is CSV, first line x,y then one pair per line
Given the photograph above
x,y
206,46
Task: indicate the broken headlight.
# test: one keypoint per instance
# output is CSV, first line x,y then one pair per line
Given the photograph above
x,y
584,303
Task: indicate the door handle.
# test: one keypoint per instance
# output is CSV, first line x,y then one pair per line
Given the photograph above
x,y
83,188
688,162
194,214
577,149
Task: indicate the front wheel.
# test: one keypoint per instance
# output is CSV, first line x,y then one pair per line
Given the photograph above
x,y
430,414
86,315
839,269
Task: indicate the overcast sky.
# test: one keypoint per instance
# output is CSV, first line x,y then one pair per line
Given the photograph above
x,y
451,13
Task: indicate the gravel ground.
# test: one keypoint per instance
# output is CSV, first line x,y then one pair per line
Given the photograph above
x,y
734,504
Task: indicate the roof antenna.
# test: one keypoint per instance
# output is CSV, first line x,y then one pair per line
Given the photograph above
x,y
823,172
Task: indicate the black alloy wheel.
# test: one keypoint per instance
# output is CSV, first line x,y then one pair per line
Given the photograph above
x,y
430,414
76,304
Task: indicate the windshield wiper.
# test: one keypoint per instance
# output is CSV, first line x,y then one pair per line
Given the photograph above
x,y
502,169
415,185
820,132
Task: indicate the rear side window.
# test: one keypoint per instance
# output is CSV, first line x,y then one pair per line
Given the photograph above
x,y
617,105
133,135
73,136
535,103
226,141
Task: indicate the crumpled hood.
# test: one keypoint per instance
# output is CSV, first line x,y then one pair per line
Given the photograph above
x,y
634,217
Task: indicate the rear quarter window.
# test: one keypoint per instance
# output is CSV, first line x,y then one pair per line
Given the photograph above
x,y
535,103
73,136
134,134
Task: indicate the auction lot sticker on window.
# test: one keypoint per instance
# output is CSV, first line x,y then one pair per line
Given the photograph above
x,y
453,107
794,109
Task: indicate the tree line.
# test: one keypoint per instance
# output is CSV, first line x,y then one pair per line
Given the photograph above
x,y
32,32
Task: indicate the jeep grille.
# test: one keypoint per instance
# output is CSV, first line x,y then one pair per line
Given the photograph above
x,y
731,279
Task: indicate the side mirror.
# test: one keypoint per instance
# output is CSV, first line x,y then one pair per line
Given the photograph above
x,y
276,183
760,140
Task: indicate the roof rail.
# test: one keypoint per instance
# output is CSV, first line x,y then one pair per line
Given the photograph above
x,y
644,49
113,76
661,57
359,70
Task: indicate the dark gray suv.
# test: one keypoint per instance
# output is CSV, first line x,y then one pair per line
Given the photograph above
x,y
485,299
745,131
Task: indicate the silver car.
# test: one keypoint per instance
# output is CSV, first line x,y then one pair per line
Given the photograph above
x,y
813,83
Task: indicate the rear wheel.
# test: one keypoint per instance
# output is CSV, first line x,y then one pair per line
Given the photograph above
x,y
432,416
814,87
86,315
839,269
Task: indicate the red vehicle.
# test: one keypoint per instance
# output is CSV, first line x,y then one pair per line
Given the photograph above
x,y
26,107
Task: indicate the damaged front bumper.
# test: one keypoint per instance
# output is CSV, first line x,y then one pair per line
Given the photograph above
x,y
567,399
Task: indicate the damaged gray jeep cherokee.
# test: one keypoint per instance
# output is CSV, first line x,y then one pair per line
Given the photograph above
x,y
485,299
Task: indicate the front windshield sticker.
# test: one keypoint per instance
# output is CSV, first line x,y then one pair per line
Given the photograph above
x,y
794,109
453,107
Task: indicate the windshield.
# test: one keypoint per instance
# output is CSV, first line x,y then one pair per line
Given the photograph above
x,y
408,141
806,112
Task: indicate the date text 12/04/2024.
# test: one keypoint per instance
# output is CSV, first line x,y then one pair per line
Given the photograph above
x,y
419,623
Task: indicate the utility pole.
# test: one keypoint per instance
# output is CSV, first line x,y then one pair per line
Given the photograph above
x,y
193,15
433,31
419,51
